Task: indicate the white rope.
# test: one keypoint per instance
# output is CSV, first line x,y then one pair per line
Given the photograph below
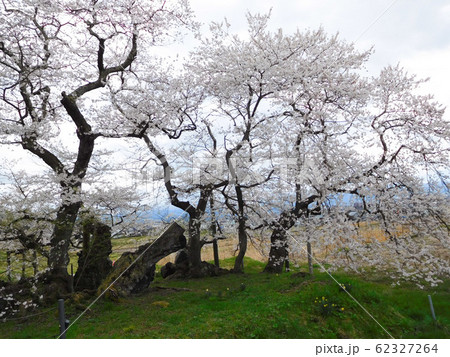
x,y
121,274
376,20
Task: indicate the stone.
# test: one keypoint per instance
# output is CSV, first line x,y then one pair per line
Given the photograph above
x,y
134,271
181,257
167,270
206,270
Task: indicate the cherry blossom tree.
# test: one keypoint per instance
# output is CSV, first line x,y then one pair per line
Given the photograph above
x,y
26,220
173,109
303,99
298,130
56,59
236,94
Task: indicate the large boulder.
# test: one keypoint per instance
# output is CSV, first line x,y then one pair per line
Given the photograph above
x,y
168,269
183,271
181,257
134,271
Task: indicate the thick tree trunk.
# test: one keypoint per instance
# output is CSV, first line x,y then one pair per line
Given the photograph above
x,y
216,253
242,232
35,263
71,186
242,235
8,265
70,182
278,254
195,224
214,231
194,246
58,258
57,281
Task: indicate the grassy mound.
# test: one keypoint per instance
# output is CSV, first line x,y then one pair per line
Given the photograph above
x,y
253,305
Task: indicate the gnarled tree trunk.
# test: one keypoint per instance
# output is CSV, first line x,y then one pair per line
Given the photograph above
x,y
194,245
242,232
58,258
279,252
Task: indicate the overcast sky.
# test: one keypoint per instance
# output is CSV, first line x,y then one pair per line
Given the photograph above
x,y
414,33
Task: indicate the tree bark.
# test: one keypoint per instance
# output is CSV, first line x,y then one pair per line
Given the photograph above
x,y
58,258
279,253
242,232
242,235
195,223
214,231
216,253
194,246
94,264
35,263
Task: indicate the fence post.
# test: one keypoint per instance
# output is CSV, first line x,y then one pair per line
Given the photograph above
x,y
62,318
8,265
310,262
216,252
431,307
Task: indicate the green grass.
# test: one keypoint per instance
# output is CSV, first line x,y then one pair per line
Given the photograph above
x,y
16,265
253,305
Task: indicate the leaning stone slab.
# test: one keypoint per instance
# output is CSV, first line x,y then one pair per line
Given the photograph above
x,y
137,276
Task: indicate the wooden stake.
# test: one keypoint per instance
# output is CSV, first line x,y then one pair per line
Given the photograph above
x,y
8,265
431,307
62,319
310,263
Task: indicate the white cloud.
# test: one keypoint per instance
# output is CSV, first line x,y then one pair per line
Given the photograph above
x,y
432,64
412,32
444,13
